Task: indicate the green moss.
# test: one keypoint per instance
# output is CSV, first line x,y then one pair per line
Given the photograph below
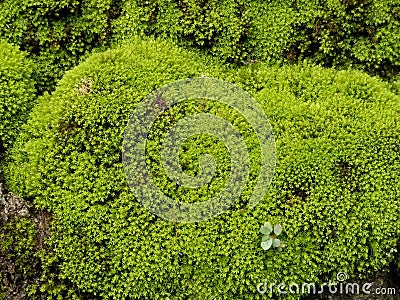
x,y
17,92
334,192
220,27
18,241
19,253
362,34
56,33
337,142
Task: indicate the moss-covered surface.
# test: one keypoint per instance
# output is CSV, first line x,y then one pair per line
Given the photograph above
x,y
344,33
335,189
81,234
17,92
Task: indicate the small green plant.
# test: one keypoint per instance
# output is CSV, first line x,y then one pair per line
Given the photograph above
x,y
270,237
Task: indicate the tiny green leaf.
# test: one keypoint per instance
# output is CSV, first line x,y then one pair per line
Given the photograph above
x,y
276,242
264,238
266,228
266,244
278,229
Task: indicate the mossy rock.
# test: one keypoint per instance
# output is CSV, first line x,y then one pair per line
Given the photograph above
x,y
334,190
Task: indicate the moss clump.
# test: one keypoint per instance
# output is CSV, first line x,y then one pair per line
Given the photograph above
x,y
337,143
18,241
362,34
334,191
17,92
56,33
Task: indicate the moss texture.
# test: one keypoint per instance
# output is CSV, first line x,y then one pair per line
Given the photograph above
x,y
17,92
334,191
359,33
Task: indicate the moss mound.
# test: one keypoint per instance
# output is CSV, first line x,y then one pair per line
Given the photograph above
x,y
334,191
337,142
362,33
17,92
56,33
338,33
